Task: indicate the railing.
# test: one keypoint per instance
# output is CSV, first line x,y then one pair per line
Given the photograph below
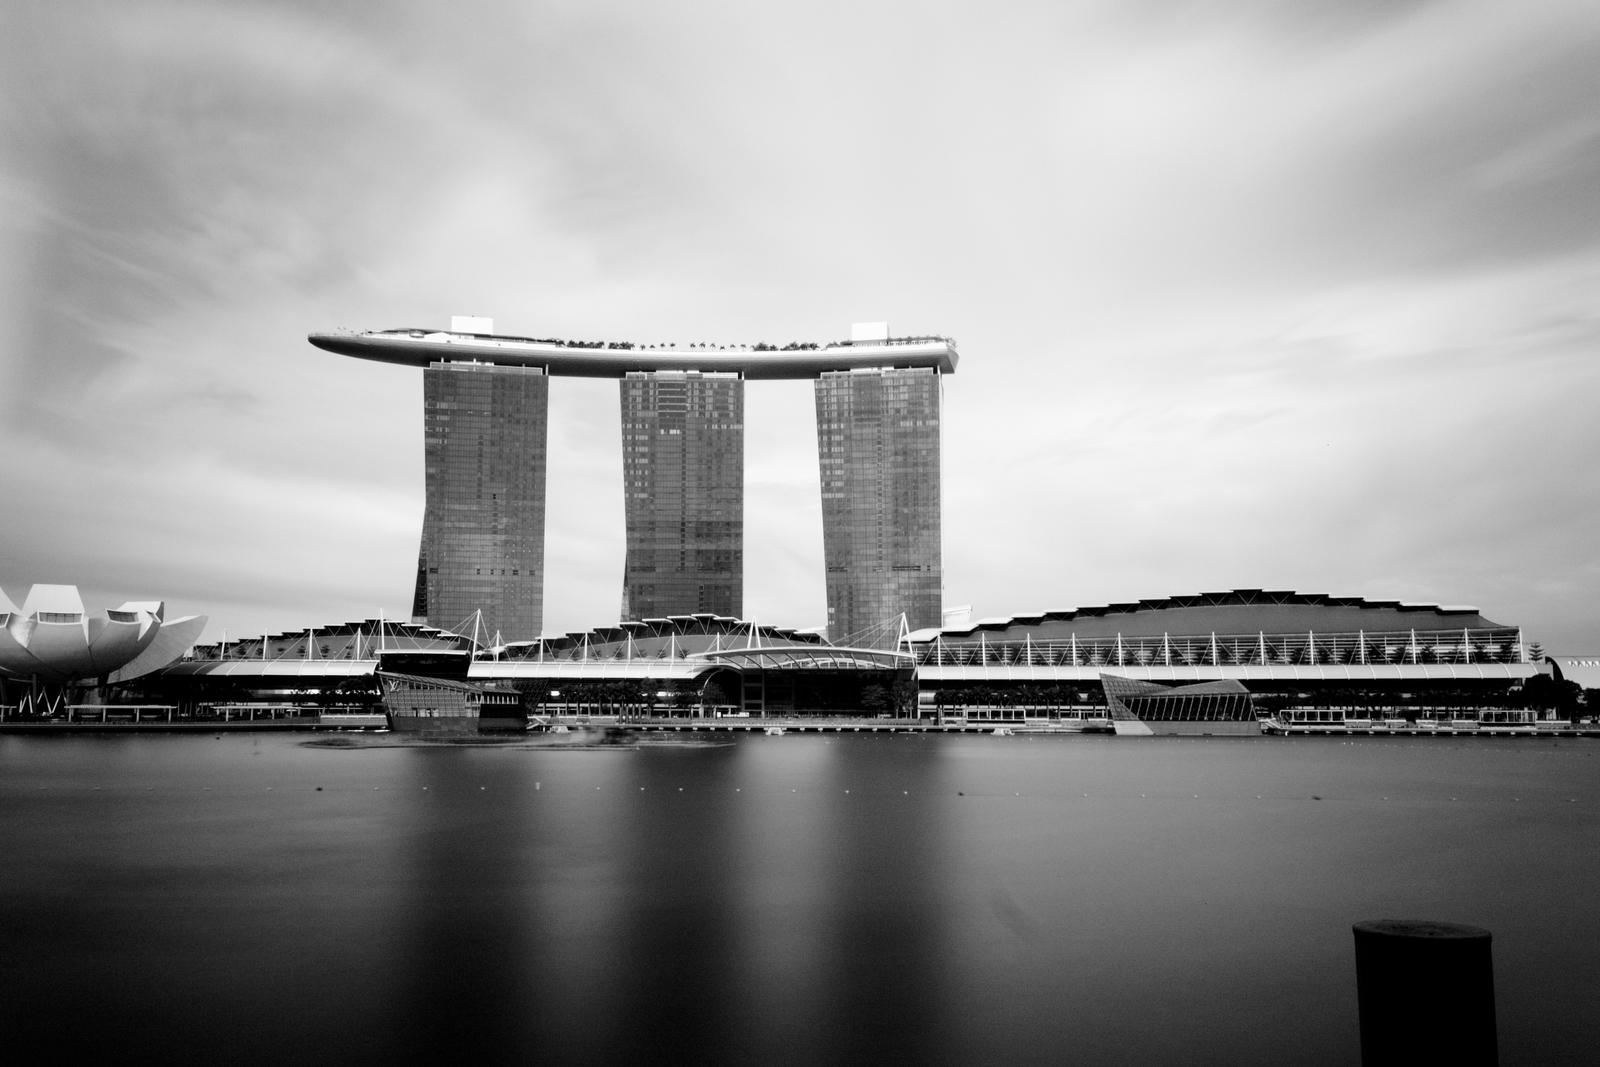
x,y
628,346
1258,649
120,712
203,714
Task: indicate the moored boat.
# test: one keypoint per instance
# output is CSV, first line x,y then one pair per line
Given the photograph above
x,y
1309,721
1508,721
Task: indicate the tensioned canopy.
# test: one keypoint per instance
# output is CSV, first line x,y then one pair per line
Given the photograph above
x,y
810,658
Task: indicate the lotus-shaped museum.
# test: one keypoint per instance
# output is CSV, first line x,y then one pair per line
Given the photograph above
x,y
52,641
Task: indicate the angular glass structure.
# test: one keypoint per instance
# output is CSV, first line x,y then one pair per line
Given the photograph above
x,y
485,440
683,483
878,449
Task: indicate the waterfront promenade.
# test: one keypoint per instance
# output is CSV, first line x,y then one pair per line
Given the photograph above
x,y
285,718
152,722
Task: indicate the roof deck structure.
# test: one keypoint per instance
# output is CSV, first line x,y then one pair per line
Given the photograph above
x,y
616,359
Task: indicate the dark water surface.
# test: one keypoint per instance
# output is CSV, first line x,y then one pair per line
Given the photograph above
x,y
799,899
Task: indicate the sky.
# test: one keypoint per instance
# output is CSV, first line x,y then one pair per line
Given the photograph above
x,y
1246,294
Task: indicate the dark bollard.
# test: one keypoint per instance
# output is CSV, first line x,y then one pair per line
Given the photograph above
x,y
1426,993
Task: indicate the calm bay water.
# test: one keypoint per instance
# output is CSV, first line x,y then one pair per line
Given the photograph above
x,y
854,898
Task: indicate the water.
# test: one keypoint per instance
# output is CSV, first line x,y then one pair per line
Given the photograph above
x,y
841,899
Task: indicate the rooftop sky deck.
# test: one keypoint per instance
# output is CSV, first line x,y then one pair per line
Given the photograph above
x,y
615,359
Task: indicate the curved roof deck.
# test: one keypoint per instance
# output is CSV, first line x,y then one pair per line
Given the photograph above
x,y
600,359
674,637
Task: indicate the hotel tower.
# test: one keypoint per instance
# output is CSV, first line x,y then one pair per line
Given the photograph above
x,y
878,448
484,440
485,419
683,494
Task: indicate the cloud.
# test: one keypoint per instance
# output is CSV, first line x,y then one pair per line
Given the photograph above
x,y
1246,294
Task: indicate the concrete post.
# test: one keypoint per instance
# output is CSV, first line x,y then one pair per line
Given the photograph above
x,y
1426,993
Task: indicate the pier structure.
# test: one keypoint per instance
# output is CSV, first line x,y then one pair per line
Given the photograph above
x,y
486,423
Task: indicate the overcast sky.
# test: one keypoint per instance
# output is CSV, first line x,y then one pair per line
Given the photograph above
x,y
1247,294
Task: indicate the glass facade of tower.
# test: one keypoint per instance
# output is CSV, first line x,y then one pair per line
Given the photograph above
x,y
683,482
878,448
485,432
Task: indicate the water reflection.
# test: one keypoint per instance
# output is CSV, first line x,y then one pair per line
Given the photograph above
x,y
790,899
460,966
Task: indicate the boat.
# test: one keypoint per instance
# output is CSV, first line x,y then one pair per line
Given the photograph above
x,y
775,731
1502,721
1308,721
1002,731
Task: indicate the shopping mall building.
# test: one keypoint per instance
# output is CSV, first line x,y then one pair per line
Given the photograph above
x,y
1284,649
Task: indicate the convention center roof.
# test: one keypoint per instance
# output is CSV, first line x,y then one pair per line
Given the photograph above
x,y
1237,611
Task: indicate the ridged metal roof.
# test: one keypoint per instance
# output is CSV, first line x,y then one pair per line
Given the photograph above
x,y
1273,601
684,633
